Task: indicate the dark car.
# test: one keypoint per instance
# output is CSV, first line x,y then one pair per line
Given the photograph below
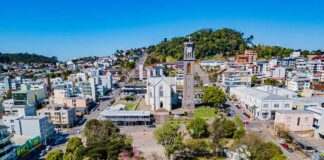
x,y
290,150
248,116
151,126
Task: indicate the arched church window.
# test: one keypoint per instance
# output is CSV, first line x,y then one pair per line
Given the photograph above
x,y
189,69
161,91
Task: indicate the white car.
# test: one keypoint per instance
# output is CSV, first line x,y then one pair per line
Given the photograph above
x,y
281,141
43,152
48,148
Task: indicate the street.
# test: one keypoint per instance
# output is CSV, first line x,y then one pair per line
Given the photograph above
x,y
260,125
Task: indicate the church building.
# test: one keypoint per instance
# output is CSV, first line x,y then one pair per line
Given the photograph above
x,y
161,93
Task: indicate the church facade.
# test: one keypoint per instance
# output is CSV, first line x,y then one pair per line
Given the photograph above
x,y
161,93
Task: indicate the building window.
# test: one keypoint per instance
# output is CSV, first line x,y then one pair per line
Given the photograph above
x,y
287,105
276,105
265,105
306,119
12,121
288,119
161,91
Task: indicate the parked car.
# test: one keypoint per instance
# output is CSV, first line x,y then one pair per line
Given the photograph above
x,y
151,126
246,122
290,150
48,148
237,106
285,145
248,116
281,141
43,152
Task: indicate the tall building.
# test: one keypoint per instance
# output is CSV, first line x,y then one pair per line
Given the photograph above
x,y
7,149
188,84
7,83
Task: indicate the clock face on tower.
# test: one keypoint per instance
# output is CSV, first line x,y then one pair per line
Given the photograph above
x,y
189,50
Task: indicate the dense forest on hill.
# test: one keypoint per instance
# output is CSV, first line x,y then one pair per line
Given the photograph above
x,y
210,43
26,58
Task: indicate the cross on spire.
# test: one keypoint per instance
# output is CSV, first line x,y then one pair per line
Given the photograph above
x,y
189,37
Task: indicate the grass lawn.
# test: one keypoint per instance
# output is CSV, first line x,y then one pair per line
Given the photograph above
x,y
130,105
205,112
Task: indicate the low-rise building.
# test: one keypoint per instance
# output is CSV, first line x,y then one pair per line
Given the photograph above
x,y
260,104
60,115
122,117
294,120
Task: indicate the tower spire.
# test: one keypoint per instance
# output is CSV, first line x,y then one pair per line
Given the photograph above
x,y
189,38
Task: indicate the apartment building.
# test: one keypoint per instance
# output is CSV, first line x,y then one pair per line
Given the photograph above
x,y
7,149
59,115
231,77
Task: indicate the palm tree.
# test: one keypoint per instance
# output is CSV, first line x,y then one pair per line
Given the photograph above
x,y
254,110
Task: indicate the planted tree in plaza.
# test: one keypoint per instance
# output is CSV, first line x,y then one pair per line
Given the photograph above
x,y
96,130
197,127
229,128
253,142
55,155
213,96
268,151
169,137
217,134
73,143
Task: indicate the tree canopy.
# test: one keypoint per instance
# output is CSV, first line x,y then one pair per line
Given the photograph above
x,y
208,42
26,58
169,137
213,96
197,127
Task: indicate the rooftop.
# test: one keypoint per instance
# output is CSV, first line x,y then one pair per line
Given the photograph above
x,y
294,112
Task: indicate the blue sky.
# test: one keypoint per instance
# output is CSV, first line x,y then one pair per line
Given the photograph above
x,y
75,28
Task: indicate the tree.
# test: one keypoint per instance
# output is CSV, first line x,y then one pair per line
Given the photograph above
x,y
169,137
229,128
253,142
238,121
268,151
279,157
255,79
197,127
217,134
239,133
213,96
72,144
55,155
270,82
96,130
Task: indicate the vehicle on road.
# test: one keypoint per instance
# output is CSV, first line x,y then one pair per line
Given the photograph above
x,y
285,145
290,150
237,106
151,126
256,129
43,152
48,148
247,115
281,141
246,122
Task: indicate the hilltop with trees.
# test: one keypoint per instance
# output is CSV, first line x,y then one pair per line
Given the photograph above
x,y
213,44
26,58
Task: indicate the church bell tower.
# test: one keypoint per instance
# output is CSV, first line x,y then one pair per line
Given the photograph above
x,y
188,85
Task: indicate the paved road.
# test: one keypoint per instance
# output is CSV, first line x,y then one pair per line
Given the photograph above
x,y
261,126
202,74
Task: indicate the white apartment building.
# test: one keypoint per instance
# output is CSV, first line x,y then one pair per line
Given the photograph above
x,y
316,64
262,105
229,78
298,83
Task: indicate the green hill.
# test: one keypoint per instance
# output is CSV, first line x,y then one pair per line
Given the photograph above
x,y
26,58
213,44
209,43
